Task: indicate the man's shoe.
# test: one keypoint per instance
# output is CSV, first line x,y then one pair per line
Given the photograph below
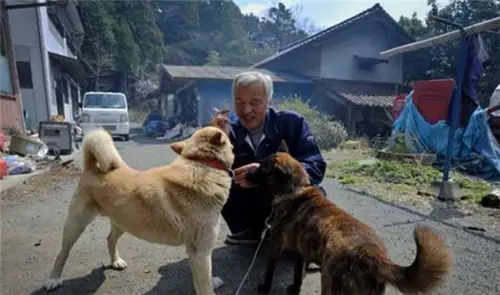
x,y
246,237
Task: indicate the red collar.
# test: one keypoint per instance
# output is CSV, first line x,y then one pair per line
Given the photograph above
x,y
217,164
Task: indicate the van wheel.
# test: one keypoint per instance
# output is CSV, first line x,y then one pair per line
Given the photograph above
x,y
126,137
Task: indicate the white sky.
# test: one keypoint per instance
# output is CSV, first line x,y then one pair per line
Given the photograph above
x,y
326,13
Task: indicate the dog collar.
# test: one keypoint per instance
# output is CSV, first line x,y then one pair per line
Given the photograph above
x,y
215,164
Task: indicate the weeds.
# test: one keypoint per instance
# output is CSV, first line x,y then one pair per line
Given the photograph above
x,y
403,174
327,132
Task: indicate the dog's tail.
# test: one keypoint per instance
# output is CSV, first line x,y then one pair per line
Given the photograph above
x,y
432,264
99,152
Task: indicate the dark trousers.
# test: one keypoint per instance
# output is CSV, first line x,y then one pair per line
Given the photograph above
x,y
246,209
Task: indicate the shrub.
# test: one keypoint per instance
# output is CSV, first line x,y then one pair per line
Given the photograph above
x,y
328,133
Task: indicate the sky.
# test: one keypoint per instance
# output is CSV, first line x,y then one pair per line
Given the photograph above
x,y
326,13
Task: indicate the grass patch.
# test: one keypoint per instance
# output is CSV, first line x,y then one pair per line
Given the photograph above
x,y
475,189
393,172
397,179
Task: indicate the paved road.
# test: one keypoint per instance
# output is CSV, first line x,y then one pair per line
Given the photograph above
x,y
156,269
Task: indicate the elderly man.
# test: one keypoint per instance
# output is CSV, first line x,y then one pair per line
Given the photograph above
x,y
257,133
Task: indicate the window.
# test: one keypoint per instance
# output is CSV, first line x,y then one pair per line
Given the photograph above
x,y
6,86
104,101
24,74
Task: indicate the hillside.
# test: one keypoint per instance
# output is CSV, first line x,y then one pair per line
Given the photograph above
x,y
125,40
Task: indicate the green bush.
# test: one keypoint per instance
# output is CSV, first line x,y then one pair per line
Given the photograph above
x,y
327,132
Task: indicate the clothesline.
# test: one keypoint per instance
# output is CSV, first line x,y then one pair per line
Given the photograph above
x,y
491,24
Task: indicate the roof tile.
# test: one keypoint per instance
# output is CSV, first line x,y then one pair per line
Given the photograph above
x,y
364,93
228,73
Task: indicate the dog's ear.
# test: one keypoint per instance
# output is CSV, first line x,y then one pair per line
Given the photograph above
x,y
216,139
177,147
283,147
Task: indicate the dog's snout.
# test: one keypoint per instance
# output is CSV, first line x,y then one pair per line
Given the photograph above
x,y
253,176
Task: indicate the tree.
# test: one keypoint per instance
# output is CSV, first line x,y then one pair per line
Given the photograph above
x,y
279,27
99,43
213,58
303,23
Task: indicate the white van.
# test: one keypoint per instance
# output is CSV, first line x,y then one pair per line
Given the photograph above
x,y
108,110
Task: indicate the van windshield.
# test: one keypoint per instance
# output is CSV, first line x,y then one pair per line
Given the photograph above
x,y
104,101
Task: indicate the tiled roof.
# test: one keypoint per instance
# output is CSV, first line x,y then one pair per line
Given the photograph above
x,y
364,93
228,73
360,16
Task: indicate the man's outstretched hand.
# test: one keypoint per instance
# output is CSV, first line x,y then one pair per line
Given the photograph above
x,y
240,175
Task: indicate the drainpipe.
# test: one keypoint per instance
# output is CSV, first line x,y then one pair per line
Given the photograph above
x,y
45,63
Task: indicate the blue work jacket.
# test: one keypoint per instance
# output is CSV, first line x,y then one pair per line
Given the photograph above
x,y
280,125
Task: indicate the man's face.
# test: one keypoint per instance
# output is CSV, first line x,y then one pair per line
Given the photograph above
x,y
250,104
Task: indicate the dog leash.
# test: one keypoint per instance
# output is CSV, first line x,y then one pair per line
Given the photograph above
x,y
267,227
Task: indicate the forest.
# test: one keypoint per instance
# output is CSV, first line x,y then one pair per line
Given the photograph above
x,y
126,40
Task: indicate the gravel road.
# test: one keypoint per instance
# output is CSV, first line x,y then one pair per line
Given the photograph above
x,y
32,224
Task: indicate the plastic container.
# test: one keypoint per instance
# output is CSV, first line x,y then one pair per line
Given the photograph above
x,y
24,145
3,168
432,98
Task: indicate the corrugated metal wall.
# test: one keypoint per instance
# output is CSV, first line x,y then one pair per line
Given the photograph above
x,y
10,113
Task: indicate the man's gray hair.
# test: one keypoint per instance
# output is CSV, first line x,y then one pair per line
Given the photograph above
x,y
254,77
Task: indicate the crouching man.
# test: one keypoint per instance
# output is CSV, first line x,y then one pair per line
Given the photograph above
x,y
256,133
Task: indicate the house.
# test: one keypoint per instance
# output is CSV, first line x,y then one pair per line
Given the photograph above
x,y
10,99
193,92
46,37
338,69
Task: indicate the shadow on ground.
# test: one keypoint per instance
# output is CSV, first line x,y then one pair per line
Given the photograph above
x,y
230,264
88,284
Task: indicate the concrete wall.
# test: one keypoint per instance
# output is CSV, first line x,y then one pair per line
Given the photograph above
x,y
337,61
217,93
333,58
26,43
304,61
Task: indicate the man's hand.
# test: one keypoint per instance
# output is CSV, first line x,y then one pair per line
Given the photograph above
x,y
221,120
240,175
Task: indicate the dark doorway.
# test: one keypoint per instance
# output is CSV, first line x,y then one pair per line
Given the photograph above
x,y
59,98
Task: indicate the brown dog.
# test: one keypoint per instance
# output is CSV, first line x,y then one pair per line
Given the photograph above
x,y
352,258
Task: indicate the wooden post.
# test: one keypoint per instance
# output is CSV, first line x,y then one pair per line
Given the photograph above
x,y
350,125
470,30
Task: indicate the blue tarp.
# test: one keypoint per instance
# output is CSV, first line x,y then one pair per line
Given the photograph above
x,y
154,124
475,149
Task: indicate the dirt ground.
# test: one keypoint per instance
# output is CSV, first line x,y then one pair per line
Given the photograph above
x,y
33,215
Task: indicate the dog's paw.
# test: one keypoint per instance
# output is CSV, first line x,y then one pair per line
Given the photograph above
x,y
217,282
52,284
119,264
263,288
292,289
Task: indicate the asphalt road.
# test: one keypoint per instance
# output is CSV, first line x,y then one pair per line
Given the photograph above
x,y
31,229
